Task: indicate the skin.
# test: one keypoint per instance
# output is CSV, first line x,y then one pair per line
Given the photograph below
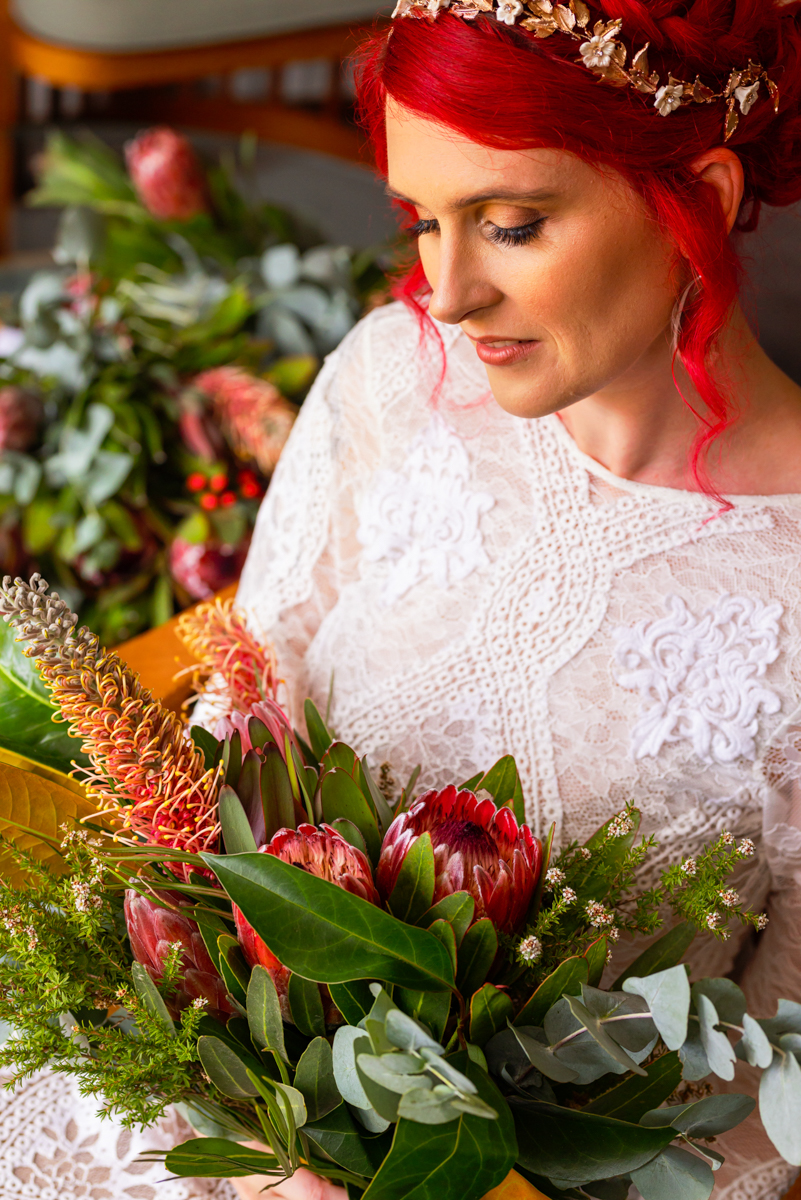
x,y
593,293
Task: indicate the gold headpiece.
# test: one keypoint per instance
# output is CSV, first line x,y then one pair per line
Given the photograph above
x,y
604,53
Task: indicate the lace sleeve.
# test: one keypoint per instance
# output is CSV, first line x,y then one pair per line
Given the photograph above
x,y
753,1169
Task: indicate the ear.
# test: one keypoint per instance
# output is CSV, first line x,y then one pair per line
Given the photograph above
x,y
722,170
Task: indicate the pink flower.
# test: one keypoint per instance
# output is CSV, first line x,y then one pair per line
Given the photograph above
x,y
167,175
21,415
321,852
477,849
202,568
199,432
255,416
153,931
270,714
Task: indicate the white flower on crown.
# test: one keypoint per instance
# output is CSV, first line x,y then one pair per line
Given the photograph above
x,y
508,11
668,98
598,52
747,97
403,7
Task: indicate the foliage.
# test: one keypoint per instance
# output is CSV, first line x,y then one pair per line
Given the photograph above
x,y
124,479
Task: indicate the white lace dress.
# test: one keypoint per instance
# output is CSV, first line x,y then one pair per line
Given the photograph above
x,y
474,585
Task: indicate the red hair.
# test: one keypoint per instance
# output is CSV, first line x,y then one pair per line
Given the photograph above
x,y
504,88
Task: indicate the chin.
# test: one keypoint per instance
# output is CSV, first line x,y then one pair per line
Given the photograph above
x,y
528,398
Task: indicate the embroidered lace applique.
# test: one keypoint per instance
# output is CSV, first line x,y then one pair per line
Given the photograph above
x,y
424,520
700,678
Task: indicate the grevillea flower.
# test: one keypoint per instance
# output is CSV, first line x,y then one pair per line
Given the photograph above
x,y
153,931
256,418
144,770
477,849
321,852
236,670
167,175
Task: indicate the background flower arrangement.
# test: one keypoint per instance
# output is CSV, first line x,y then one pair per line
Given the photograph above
x,y
415,1011
149,382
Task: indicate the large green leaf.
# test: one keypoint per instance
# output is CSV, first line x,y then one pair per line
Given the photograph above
x,y
214,1158
353,999
26,713
306,1006
314,1077
565,980
490,1010
347,1143
264,1012
675,1175
460,1160
414,887
228,1068
342,797
476,956
323,933
576,1147
634,1096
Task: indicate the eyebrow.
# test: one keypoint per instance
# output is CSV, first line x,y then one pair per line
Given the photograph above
x,y
481,197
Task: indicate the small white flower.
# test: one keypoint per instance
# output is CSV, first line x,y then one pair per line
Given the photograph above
x,y
668,98
585,853
508,11
199,1002
726,838
553,877
82,897
530,949
608,957
689,866
598,52
620,826
613,934
747,97
747,848
713,920
33,940
598,916
729,898
568,896
762,921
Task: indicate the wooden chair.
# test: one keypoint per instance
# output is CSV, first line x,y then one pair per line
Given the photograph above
x,y
166,86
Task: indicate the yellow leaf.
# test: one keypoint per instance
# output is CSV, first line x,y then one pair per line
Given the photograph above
x,y
42,805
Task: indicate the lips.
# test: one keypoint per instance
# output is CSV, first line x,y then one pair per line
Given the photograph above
x,y
503,352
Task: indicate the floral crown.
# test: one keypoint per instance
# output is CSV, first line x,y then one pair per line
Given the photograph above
x,y
604,53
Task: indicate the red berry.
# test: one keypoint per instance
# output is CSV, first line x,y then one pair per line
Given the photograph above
x,y
218,483
196,482
250,489
227,499
208,502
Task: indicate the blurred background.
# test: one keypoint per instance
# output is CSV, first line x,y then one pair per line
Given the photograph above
x,y
188,224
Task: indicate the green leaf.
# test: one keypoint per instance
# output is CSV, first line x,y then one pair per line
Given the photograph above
x,y
667,951
323,933
414,887
596,960
727,997
595,1028
667,994
264,1013
353,999
228,1068
26,714
705,1118
383,1100
460,1160
276,793
565,980
430,1008
674,1175
503,783
476,956
319,737
338,1136
341,756
443,932
348,1042
383,812
634,1096
306,1006
236,831
217,1158
314,1077
348,831
542,1057
233,968
206,743
780,1106
151,997
578,1147
342,797
457,909
490,1010
755,1045
717,1047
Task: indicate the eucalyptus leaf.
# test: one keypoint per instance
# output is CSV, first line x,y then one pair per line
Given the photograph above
x,y
348,1042
780,1106
379,1068
294,1099
406,1034
595,1028
717,1047
727,997
674,1175
755,1044
667,994
703,1118
542,1058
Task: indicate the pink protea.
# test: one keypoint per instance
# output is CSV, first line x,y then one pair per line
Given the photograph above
x,y
255,416
152,931
203,568
321,852
270,714
167,175
477,849
21,416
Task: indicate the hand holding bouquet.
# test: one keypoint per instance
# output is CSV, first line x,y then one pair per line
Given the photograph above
x,y
399,993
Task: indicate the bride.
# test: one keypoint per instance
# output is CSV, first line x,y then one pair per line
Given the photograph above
x,y
550,502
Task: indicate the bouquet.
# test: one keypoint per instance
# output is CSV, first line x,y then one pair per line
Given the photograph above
x,y
150,378
405,992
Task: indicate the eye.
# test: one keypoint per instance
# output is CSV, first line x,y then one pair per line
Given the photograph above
x,y
518,235
421,227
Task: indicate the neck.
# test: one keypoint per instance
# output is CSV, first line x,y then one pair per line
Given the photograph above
x,y
643,428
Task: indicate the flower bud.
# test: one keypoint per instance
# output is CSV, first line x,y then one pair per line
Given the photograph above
x,y
167,175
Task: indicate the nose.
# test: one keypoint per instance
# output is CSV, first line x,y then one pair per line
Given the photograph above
x,y
459,284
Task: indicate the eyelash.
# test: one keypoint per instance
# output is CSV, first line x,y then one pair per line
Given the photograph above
x,y
519,235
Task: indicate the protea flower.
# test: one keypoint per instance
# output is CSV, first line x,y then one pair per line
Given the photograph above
x,y
167,175
270,714
477,849
21,415
203,568
321,852
241,669
153,930
256,418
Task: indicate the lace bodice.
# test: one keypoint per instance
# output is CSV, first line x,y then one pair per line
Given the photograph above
x,y
469,584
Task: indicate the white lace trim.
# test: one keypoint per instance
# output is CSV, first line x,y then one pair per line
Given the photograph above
x,y
699,677
424,520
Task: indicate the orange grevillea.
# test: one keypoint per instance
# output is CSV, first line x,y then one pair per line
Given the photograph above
x,y
144,770
235,668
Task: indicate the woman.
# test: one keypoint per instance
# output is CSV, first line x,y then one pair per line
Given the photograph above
x,y
551,505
